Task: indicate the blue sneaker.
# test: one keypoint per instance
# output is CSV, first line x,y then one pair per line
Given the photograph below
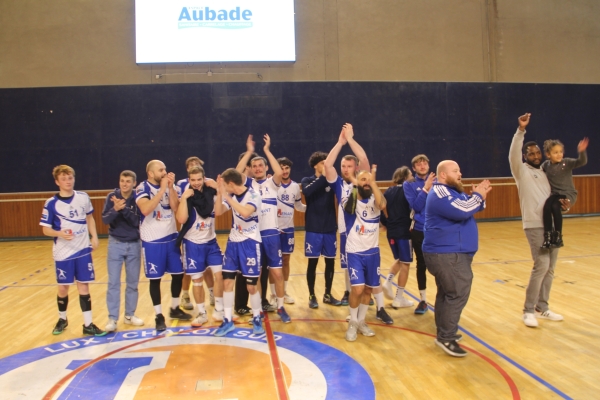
x,y
285,318
225,328
257,328
345,298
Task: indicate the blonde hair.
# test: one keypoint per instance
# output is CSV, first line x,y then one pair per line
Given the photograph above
x,y
62,169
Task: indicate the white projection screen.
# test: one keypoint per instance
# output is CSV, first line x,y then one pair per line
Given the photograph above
x,y
171,31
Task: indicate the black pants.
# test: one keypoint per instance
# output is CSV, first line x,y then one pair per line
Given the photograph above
x,y
417,244
552,210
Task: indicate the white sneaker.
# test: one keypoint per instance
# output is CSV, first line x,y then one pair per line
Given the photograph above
x,y
348,318
111,326
287,299
273,300
186,302
364,329
133,320
351,332
552,316
211,299
219,315
530,320
200,319
388,290
401,303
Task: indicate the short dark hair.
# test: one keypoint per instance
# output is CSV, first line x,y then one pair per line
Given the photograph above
x,y
419,157
401,174
254,155
316,158
285,161
528,144
232,175
550,143
129,174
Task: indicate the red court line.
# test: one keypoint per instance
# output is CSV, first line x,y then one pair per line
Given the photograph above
x,y
275,362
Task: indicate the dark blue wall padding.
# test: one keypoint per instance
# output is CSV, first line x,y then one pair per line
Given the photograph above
x,y
102,130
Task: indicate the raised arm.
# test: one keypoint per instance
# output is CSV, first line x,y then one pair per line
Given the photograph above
x,y
241,166
220,208
330,172
515,158
380,200
182,213
277,171
310,186
581,149
147,205
359,152
173,197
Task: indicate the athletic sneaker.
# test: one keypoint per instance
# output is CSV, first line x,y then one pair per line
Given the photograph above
x,y
160,322
458,337
451,348
111,326
552,316
401,303
312,301
60,326
348,318
384,317
225,328
285,318
200,319
345,298
329,299
364,329
268,307
133,320
287,299
530,320
421,307
243,311
388,290
211,298
257,328
352,330
93,330
218,315
186,302
273,300
177,313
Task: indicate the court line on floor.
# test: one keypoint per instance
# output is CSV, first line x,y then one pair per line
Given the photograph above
x,y
275,362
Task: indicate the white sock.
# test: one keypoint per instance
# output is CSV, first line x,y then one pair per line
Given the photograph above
x,y
62,314
218,303
228,304
389,278
87,318
255,303
362,311
273,291
423,295
174,302
347,277
354,314
200,308
399,293
379,300
185,293
279,302
211,291
158,309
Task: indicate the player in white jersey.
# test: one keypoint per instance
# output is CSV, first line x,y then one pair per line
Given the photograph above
x,y
201,251
342,185
157,200
289,199
186,303
67,217
269,231
361,212
243,246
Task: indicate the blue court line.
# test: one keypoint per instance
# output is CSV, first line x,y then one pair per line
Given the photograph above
x,y
497,352
3,287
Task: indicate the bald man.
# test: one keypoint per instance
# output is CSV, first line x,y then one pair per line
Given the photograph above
x,y
451,241
157,200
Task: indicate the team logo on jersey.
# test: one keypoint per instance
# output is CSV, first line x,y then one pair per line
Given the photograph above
x,y
353,274
279,212
309,248
62,274
141,364
191,264
152,268
44,216
327,189
360,229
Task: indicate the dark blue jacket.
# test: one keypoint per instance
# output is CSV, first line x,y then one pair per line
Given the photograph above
x,y
125,223
321,212
416,197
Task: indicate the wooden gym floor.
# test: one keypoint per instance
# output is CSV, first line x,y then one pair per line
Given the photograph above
x,y
506,359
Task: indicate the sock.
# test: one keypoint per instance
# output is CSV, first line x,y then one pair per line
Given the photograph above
x,y
218,303
399,293
228,304
347,277
279,302
62,314
362,311
185,293
379,300
273,291
389,278
157,309
201,308
155,292
62,302
176,285
329,274
311,275
423,295
354,314
174,302
255,302
87,318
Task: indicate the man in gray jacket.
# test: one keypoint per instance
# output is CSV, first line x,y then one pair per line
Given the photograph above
x,y
534,189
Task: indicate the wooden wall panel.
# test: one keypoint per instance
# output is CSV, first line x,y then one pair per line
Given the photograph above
x,y
20,212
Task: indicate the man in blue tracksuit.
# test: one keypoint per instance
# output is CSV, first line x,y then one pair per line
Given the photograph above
x,y
451,241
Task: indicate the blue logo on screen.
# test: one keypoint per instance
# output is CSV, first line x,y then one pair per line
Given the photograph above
x,y
205,17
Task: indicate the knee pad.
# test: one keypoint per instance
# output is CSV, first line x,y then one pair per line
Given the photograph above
x,y
251,281
229,275
196,277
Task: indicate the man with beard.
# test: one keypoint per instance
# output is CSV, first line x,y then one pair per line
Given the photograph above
x,y
451,241
267,188
157,200
534,189
416,195
201,251
362,209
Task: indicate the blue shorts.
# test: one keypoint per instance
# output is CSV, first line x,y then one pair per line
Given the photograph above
x,y
197,257
160,258
244,257
401,249
270,250
364,269
343,255
80,269
287,242
319,244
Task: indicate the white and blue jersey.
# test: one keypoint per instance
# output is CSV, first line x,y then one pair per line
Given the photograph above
x,y
267,189
181,186
288,199
202,230
246,228
69,214
342,191
362,228
158,226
